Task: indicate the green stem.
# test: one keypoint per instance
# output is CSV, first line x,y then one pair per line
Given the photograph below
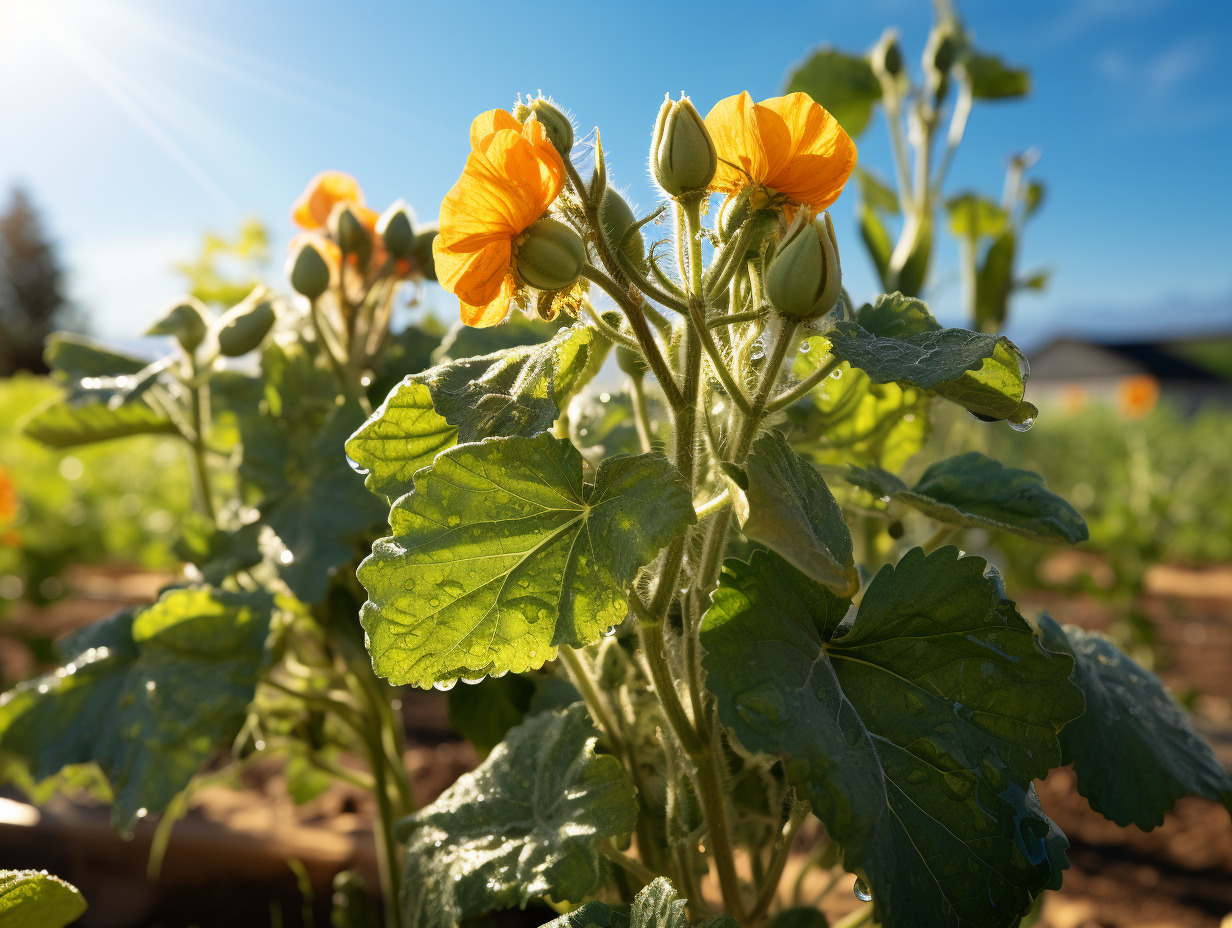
x,y
612,334
788,397
733,318
641,413
198,399
579,673
650,629
782,851
630,865
939,537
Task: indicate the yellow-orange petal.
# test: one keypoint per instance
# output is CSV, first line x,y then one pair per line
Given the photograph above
x,y
732,124
494,311
810,155
312,209
474,276
483,125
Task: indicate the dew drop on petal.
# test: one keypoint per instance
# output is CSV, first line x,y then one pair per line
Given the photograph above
x,y
861,891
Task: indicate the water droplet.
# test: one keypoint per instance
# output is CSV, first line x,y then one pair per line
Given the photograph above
x,y
472,681
286,557
806,346
759,352
861,891
1024,425
605,397
837,374
609,631
444,685
910,417
356,466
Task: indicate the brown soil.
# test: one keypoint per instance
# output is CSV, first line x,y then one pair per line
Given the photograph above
x,y
226,864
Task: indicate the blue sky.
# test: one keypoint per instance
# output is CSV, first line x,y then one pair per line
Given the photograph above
x,y
139,124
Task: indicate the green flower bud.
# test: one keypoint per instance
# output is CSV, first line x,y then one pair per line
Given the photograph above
x,y
187,320
421,251
613,664
350,234
682,155
631,362
556,124
309,271
396,227
940,54
549,255
616,216
243,327
804,279
887,56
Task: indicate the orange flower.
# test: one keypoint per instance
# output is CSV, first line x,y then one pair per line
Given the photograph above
x,y
789,145
324,192
512,175
8,497
1138,395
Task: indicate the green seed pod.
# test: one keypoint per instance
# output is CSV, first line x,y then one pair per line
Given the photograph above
x,y
804,279
421,251
242,328
615,216
309,271
682,155
549,255
187,320
556,124
350,234
396,227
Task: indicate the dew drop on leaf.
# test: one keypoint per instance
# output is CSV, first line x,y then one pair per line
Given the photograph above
x,y
805,347
357,467
836,374
861,891
444,685
1024,425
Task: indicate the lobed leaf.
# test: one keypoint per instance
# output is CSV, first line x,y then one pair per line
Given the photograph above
x,y
975,491
844,84
528,822
914,729
1134,751
36,899
148,696
985,373
992,79
500,554
787,506
518,390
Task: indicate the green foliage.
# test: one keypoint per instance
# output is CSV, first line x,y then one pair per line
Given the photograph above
x,y
656,905
35,899
1134,750
843,84
147,695
226,269
915,729
500,555
992,79
973,490
528,822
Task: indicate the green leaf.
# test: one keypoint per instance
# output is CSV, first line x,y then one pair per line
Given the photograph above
x,y
463,341
974,216
323,515
73,357
876,192
92,417
877,240
35,899
1135,752
528,822
514,391
484,712
985,373
788,507
975,491
994,281
844,84
655,906
992,79
914,729
500,554
148,696
1032,198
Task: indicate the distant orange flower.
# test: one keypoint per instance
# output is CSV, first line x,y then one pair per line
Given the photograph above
x,y
1138,395
789,145
512,175
323,193
8,497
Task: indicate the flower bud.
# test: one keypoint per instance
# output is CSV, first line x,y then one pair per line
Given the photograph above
x,y
242,328
616,216
631,362
887,56
308,270
421,251
349,232
682,155
396,227
613,663
187,321
549,255
804,279
939,56
556,125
